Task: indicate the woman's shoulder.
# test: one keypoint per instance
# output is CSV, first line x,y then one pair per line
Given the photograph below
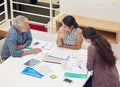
x,y
79,30
91,47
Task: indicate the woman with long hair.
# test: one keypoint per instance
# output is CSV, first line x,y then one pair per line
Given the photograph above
x,y
101,60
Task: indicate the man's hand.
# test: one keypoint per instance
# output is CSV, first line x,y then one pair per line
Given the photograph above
x,y
36,50
33,51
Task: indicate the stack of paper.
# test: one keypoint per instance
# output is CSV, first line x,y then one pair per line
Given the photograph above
x,y
59,53
48,45
76,69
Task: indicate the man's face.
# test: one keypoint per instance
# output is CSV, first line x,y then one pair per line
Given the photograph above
x,y
25,27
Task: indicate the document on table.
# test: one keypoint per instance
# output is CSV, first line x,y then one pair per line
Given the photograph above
x,y
59,53
76,66
39,70
42,45
76,69
43,69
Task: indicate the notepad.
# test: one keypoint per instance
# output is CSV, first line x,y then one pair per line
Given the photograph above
x,y
31,72
32,62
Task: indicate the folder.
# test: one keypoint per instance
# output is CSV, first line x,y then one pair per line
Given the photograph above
x,y
31,72
75,68
75,75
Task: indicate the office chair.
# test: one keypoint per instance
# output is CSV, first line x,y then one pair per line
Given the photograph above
x,y
1,44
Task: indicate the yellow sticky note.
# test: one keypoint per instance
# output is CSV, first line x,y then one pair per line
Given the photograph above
x,y
53,76
114,1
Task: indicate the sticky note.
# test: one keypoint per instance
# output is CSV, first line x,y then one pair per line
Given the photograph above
x,y
53,76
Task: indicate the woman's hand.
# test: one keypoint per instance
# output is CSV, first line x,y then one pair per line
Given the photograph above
x,y
62,35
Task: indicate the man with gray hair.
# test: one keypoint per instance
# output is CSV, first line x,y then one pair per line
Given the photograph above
x,y
18,37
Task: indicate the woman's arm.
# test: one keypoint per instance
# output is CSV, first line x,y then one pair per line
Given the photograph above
x,y
59,40
60,36
91,57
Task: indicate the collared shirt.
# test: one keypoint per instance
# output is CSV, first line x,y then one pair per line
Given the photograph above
x,y
14,38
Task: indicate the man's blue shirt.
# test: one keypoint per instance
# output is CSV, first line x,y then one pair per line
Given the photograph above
x,y
14,38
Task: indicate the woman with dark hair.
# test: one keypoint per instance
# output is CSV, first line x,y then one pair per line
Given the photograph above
x,y
101,60
70,35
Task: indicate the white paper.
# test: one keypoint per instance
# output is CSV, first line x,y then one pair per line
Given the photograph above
x,y
76,66
43,45
59,53
43,69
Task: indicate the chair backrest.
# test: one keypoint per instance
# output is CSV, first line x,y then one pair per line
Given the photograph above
x,y
35,26
1,44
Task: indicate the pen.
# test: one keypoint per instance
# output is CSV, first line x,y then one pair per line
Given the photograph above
x,y
52,62
44,45
80,67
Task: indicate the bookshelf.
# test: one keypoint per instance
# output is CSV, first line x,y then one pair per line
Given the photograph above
x,y
108,29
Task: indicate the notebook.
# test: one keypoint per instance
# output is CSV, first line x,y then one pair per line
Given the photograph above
x,y
31,72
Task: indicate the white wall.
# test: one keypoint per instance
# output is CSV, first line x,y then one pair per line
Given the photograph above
x,y
89,8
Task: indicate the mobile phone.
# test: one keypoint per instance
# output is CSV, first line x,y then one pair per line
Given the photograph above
x,y
68,80
36,43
